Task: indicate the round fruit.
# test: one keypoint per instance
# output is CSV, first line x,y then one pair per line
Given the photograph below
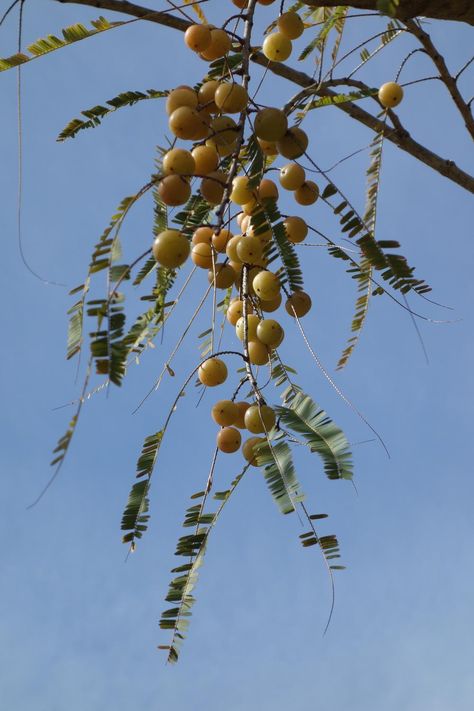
x,y
253,271
241,193
276,47
225,413
272,305
178,162
224,131
236,311
171,249
292,176
266,285
299,303
206,160
220,45
237,267
198,37
212,187
307,194
270,124
225,275
263,231
259,419
201,255
296,229
240,3
268,148
231,248
250,208
182,96
291,25
206,95
390,94
202,234
174,190
258,353
221,239
242,408
212,372
229,440
293,144
267,190
185,123
249,250
270,332
232,98
250,449
252,323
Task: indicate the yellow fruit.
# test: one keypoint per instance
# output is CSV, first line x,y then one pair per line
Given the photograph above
x,y
236,311
296,229
299,303
276,47
225,275
182,96
249,250
259,353
212,187
270,124
237,267
270,332
242,408
266,285
220,45
179,162
241,193
240,3
263,231
307,194
250,449
225,413
198,37
293,144
174,190
206,160
229,440
212,372
231,98
292,176
224,131
206,95
201,255
291,25
185,123
249,208
202,234
259,419
272,305
231,248
268,148
171,249
390,94
252,323
267,191
220,240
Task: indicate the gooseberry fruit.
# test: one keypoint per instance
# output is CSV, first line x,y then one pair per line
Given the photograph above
x,y
174,190
307,194
299,303
390,94
250,449
206,160
259,418
225,275
201,255
276,47
198,37
259,353
270,124
229,440
291,25
231,98
212,372
270,332
292,176
293,144
266,285
171,249
296,229
252,323
225,413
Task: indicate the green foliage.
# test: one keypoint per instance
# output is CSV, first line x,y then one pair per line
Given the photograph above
x,y
135,517
96,114
323,436
292,274
72,34
280,475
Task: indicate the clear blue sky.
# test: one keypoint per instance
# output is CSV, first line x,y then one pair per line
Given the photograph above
x,y
79,626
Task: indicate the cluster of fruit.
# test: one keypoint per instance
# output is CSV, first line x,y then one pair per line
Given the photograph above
x,y
235,416
204,117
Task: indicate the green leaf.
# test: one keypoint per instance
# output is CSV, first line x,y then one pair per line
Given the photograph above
x,y
280,474
72,34
322,435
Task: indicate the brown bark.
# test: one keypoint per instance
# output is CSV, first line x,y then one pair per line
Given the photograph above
x,y
460,10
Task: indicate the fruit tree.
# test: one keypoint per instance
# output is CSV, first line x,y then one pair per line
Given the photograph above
x,y
239,197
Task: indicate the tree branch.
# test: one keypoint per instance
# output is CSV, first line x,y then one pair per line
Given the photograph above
x,y
460,10
399,136
448,80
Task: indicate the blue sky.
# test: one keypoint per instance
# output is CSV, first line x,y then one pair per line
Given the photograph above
x,y
79,627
